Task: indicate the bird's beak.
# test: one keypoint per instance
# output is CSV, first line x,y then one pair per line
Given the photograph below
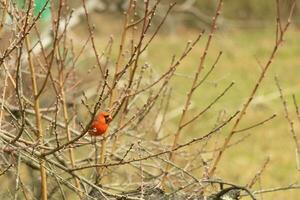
x,y
108,119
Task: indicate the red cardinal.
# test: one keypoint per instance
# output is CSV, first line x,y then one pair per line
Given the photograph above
x,y
100,124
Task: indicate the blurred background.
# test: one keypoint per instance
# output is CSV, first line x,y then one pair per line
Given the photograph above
x,y
246,36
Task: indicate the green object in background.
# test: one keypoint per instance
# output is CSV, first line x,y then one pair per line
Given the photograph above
x,y
38,6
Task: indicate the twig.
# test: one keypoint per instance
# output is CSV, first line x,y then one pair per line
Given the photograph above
x,y
291,123
6,169
257,124
258,174
194,84
38,121
293,186
296,107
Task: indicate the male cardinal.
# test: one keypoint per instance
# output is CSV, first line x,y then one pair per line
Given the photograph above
x,y
100,124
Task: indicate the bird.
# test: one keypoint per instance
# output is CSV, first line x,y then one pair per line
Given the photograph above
x,y
100,124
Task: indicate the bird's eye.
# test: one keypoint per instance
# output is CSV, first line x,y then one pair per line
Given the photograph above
x,y
107,118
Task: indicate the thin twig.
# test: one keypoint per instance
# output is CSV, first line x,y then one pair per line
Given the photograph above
x,y
290,121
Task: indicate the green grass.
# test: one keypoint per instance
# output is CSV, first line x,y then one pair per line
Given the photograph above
x,y
239,63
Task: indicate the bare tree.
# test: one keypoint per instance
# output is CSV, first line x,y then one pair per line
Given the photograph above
x,y
45,115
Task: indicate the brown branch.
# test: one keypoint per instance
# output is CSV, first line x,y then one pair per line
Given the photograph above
x,y
296,107
208,107
14,45
290,121
6,169
258,174
194,83
253,92
257,124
